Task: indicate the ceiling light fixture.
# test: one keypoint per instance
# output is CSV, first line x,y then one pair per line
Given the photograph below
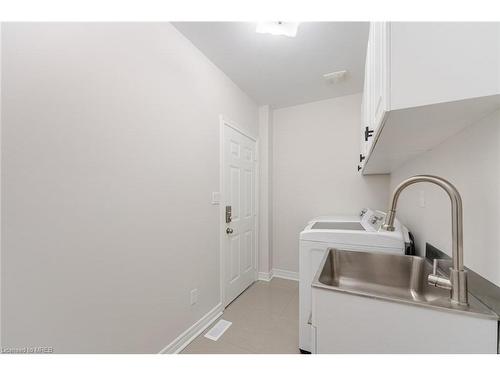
x,y
278,28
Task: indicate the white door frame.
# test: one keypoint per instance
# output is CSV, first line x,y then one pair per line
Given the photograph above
x,y
224,121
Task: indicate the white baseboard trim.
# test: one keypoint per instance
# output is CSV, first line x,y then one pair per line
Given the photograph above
x,y
192,332
197,328
265,276
280,274
284,274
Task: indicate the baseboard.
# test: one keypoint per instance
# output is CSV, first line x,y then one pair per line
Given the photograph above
x,y
192,332
265,276
284,274
280,274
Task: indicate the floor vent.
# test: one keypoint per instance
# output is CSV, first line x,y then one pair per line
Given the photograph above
x,y
218,330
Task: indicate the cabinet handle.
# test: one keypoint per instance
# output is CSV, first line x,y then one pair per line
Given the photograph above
x,y
368,133
361,158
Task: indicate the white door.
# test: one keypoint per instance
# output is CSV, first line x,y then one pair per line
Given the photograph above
x,y
239,245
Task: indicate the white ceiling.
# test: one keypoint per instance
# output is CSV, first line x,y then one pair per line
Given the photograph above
x,y
283,71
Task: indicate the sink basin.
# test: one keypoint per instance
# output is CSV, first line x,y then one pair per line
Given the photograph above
x,y
391,275
400,278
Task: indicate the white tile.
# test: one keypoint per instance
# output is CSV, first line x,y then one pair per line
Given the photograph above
x,y
264,320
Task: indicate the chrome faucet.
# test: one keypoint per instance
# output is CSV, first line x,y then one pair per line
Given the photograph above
x,y
457,283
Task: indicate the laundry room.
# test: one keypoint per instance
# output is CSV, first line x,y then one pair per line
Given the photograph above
x,y
229,186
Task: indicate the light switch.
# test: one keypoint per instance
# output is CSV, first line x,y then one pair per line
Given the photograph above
x,y
215,197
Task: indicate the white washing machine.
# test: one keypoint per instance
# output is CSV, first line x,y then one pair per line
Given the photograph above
x,y
358,233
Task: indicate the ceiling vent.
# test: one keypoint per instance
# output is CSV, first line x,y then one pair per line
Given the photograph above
x,y
335,77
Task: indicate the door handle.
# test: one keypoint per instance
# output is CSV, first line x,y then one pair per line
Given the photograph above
x,y
229,230
368,133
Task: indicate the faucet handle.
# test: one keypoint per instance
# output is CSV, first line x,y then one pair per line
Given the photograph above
x,y
435,266
435,280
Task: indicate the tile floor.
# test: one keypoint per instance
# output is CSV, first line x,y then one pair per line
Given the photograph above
x,y
265,321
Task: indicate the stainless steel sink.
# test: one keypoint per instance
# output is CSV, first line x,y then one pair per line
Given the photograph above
x,y
399,278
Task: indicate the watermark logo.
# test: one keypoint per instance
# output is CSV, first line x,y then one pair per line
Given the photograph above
x,y
29,350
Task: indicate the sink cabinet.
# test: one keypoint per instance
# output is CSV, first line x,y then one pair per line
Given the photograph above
x,y
347,323
424,82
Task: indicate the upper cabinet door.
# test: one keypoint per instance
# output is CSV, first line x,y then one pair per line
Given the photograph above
x,y
380,66
375,95
424,82
366,120
411,64
437,62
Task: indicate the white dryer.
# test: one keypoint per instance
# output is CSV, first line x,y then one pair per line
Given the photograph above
x,y
359,233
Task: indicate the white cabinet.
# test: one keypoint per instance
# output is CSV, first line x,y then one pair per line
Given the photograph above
x,y
351,324
375,94
377,73
424,82
364,145
437,62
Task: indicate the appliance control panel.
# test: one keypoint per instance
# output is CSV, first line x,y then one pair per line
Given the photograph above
x,y
371,220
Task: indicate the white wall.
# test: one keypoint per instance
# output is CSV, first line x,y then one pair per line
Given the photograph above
x,y
315,154
470,160
110,152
